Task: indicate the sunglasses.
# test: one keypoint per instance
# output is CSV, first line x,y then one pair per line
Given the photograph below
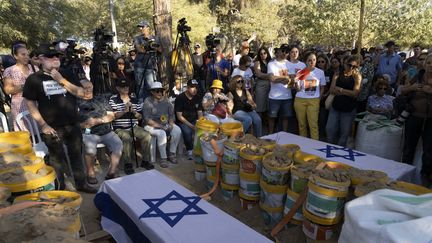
x,y
321,61
158,90
240,81
121,63
51,55
351,66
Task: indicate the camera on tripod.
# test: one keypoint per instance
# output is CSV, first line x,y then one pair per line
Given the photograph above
x,y
102,40
182,27
212,42
151,45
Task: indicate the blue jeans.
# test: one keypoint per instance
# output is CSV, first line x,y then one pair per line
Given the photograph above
x,y
339,123
187,135
143,91
249,118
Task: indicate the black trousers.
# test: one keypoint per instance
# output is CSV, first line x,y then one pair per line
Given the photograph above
x,y
71,136
414,128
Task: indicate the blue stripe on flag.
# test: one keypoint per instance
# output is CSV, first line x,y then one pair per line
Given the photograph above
x,y
112,211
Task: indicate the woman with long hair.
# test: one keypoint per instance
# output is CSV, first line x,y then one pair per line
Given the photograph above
x,y
262,87
14,80
243,108
307,100
346,87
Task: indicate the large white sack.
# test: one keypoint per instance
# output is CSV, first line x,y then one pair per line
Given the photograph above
x,y
385,142
388,216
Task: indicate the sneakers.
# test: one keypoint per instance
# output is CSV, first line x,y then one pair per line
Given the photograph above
x,y
147,165
163,163
128,169
189,155
172,158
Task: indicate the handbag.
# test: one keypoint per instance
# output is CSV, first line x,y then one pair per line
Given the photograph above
x,y
220,111
329,101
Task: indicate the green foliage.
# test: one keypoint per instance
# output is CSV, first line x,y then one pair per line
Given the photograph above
x,y
324,22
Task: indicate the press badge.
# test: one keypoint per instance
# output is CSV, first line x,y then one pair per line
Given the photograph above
x,y
52,87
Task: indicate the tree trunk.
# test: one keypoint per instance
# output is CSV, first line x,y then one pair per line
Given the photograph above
x,y
360,31
163,23
113,23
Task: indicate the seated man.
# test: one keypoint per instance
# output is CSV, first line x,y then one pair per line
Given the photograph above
x,y
127,112
188,110
95,118
158,115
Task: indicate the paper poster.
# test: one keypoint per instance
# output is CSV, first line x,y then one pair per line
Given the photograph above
x,y
52,87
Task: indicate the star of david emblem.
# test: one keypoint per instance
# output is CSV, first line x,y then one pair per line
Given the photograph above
x,y
172,218
341,152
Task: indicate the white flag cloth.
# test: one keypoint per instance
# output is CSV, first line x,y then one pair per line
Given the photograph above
x,y
150,207
395,170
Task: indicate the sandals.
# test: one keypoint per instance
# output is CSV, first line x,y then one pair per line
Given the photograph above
x,y
92,180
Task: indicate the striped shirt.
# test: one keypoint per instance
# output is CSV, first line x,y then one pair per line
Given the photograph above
x,y
117,105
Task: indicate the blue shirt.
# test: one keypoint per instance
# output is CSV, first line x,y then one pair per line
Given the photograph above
x,y
390,64
222,65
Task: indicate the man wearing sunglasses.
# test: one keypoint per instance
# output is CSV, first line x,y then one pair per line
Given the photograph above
x,y
158,115
51,96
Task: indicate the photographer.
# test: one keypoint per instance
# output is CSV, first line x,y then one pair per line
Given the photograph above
x,y
419,119
145,64
218,67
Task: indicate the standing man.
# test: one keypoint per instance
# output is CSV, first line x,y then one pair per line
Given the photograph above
x,y
280,97
390,63
145,65
188,110
51,96
197,59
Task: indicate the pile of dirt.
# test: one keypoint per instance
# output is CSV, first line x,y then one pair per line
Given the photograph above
x,y
13,160
20,176
336,174
38,221
279,157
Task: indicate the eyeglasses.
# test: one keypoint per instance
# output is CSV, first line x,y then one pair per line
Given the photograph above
x,y
158,90
351,65
240,81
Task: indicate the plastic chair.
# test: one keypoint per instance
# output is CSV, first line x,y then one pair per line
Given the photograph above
x,y
26,122
4,122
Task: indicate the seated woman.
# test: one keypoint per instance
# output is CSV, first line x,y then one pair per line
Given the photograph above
x,y
243,108
380,103
213,97
158,114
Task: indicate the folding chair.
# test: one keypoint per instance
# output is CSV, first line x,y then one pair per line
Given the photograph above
x,y
4,122
26,122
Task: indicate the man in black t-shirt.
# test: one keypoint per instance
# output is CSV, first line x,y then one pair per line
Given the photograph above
x,y
188,110
50,95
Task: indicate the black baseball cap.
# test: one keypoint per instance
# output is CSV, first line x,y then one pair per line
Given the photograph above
x,y
192,83
122,82
143,23
46,49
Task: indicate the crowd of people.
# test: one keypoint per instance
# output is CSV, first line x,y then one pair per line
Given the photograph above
x,y
322,91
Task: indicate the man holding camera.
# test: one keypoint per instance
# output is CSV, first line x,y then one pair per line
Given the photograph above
x,y
145,64
51,96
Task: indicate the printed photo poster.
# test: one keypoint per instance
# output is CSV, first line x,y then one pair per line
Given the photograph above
x,y
310,86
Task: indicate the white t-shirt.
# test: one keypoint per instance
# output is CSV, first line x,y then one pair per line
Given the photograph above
x,y
247,75
279,91
293,68
310,87
236,60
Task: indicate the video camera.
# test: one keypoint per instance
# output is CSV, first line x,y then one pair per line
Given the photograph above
x,y
182,27
212,42
102,40
151,45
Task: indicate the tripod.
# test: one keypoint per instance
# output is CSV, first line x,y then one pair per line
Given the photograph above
x,y
154,58
182,53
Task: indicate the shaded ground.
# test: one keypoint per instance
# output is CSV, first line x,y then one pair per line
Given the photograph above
x,y
183,173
